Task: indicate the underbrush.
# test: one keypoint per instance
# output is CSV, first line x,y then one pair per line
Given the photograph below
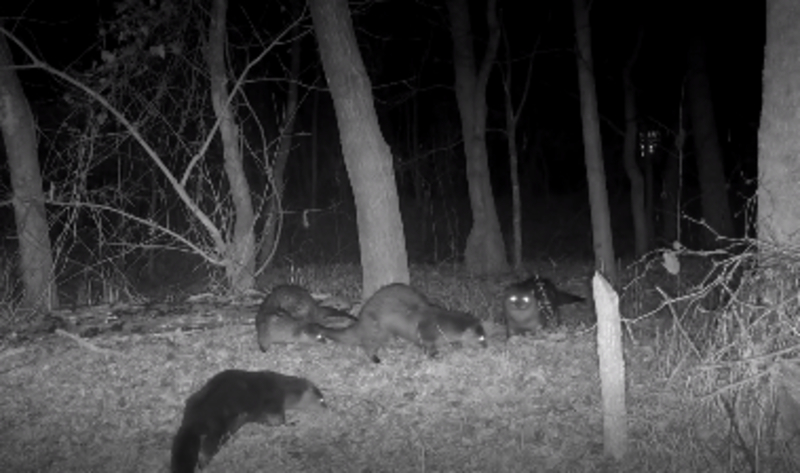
x,y
726,330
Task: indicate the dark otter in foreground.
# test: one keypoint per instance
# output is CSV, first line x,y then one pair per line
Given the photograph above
x,y
300,304
231,399
277,326
532,304
400,310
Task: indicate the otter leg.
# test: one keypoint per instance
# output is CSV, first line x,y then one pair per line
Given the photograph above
x,y
428,333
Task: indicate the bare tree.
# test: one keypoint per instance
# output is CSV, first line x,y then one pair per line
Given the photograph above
x,y
269,241
366,154
778,140
714,196
485,252
592,147
241,250
512,120
19,136
642,237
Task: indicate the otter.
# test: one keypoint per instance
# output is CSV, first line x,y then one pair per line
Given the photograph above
x,y
231,399
276,325
533,304
403,311
300,304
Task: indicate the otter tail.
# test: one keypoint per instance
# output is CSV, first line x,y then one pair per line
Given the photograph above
x,y
563,298
185,450
544,288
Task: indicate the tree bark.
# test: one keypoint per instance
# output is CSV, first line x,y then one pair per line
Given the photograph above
x,y
19,136
778,140
714,194
240,257
366,154
485,252
516,203
512,121
642,241
593,149
670,202
315,152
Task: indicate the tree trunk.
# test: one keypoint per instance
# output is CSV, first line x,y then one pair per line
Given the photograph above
x,y
366,154
670,201
651,195
516,204
512,120
240,258
485,252
714,194
642,241
274,209
315,152
19,136
778,140
593,149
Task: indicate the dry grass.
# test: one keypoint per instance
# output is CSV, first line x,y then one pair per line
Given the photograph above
x,y
526,405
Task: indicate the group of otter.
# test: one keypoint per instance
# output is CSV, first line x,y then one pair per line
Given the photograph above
x,y
233,398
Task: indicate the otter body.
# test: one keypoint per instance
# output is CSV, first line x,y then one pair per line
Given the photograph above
x,y
402,311
299,304
231,399
294,299
533,304
276,325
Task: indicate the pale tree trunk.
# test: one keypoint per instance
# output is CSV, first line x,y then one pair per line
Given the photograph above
x,y
240,258
19,136
274,209
485,252
778,139
642,237
366,154
714,194
592,148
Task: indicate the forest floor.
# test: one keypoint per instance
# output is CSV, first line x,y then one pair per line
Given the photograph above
x,y
113,402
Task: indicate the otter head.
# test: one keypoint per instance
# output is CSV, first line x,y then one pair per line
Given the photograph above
x,y
519,301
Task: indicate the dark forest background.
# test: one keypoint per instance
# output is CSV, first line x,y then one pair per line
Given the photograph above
x,y
408,53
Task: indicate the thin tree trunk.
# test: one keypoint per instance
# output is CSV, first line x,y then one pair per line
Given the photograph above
x,y
240,268
714,197
315,152
485,252
367,156
271,236
641,237
595,173
516,204
512,120
670,205
19,136
650,193
778,140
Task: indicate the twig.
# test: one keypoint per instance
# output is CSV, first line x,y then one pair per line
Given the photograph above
x,y
87,344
